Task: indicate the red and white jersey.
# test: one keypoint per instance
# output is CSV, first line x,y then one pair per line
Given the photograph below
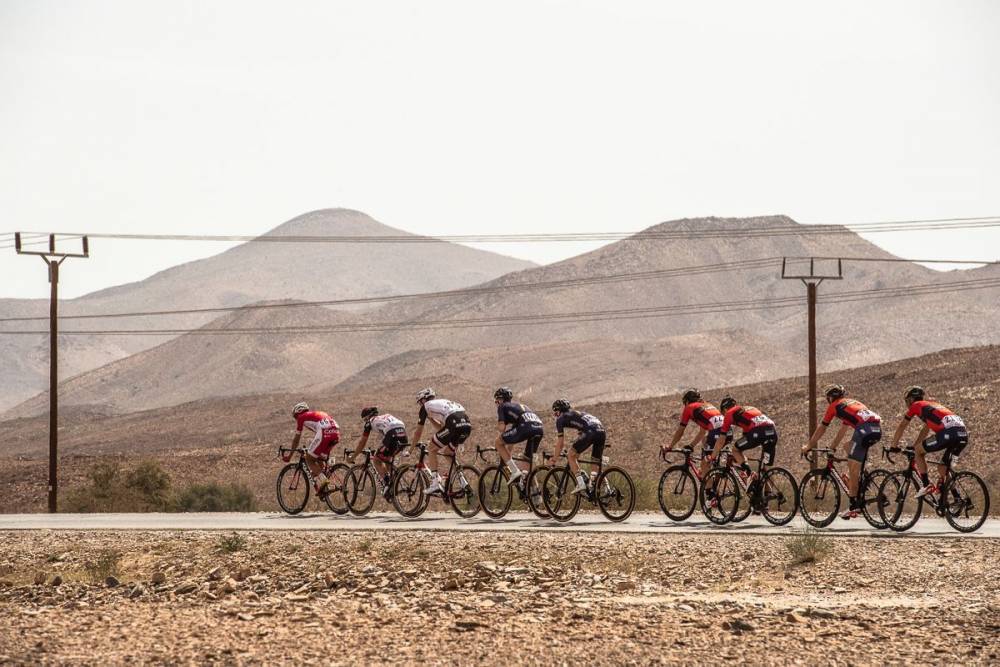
x,y
317,421
746,417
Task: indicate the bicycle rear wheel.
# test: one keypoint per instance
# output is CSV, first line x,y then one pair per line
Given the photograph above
x,y
293,488
336,498
779,496
463,491
677,493
495,492
408,495
871,497
720,496
965,500
558,494
902,507
359,490
533,491
615,493
819,498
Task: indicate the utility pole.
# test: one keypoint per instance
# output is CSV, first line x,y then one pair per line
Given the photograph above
x,y
812,280
53,260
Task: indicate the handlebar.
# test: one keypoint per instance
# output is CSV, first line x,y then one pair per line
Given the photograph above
x,y
482,451
683,451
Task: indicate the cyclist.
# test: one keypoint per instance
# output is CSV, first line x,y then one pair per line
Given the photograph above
x,y
516,423
326,435
393,433
758,431
591,436
949,431
867,426
709,418
453,427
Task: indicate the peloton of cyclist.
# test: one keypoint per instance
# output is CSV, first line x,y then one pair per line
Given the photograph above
x,y
867,426
591,436
950,435
326,435
393,434
453,427
758,431
709,418
516,423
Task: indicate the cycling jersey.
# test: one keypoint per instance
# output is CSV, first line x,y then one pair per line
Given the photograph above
x,y
384,425
704,415
936,416
438,410
325,430
745,417
581,421
517,414
851,413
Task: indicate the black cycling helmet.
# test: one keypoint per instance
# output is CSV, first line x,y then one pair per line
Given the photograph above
x,y
561,405
369,412
834,391
503,394
914,392
690,396
727,402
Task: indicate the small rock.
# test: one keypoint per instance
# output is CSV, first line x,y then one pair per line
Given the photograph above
x,y
56,581
792,617
737,626
137,591
450,585
112,582
40,578
158,578
685,607
822,613
245,617
215,573
229,586
186,587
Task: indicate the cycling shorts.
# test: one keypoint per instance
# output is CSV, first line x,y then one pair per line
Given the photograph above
x,y
765,437
711,438
865,435
952,440
322,444
590,439
530,434
392,442
457,429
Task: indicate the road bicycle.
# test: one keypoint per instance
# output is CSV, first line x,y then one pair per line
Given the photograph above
x,y
962,497
821,491
612,490
771,493
679,491
365,482
295,483
497,493
460,486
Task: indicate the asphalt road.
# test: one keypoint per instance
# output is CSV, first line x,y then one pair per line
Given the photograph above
x,y
515,521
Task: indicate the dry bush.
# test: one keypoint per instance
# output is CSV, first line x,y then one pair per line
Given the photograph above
x,y
808,546
107,564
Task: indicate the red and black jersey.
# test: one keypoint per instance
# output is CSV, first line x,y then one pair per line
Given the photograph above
x,y
745,417
851,413
704,415
936,416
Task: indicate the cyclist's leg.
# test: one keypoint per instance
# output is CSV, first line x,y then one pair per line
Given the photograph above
x,y
957,439
934,443
864,437
505,441
316,454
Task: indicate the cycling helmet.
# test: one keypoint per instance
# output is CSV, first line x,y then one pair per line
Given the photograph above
x,y
299,408
561,405
727,403
425,394
503,394
690,396
369,412
914,392
834,391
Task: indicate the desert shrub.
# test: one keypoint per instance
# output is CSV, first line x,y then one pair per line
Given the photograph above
x,y
646,490
808,546
214,497
109,488
106,564
231,543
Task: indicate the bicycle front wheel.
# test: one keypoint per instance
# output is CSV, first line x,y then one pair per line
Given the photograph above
x,y
819,498
463,491
965,501
495,492
558,494
359,490
293,488
720,496
677,493
615,492
902,507
336,498
779,496
408,495
533,491
872,499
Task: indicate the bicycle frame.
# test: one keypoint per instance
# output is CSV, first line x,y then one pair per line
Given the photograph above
x,y
303,467
369,465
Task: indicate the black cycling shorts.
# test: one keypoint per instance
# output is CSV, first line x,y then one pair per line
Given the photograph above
x,y
711,437
590,439
952,440
457,428
765,437
530,434
865,436
392,442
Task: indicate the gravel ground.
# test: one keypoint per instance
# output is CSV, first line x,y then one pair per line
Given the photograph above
x,y
455,598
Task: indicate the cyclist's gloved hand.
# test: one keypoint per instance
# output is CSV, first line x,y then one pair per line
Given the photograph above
x,y
286,456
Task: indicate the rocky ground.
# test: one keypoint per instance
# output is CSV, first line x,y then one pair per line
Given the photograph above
x,y
273,597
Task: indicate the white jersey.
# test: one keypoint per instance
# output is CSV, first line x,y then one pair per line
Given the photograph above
x,y
439,409
386,424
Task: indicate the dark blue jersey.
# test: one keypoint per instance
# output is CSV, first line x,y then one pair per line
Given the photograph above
x,y
516,414
580,421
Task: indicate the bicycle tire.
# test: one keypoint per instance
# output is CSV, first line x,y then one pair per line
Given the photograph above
x,y
291,505
819,505
964,481
464,498
728,501
904,505
770,488
561,502
614,489
675,483
745,502
872,498
335,498
408,491
495,492
360,490
533,491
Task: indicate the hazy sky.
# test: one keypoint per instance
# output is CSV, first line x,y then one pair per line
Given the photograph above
x,y
447,117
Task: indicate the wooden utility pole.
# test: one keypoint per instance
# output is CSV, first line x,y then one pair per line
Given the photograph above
x,y
53,260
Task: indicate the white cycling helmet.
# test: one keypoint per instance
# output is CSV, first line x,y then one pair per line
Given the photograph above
x,y
425,394
299,408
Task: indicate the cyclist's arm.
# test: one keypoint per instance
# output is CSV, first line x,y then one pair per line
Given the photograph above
x,y
678,434
698,438
900,430
295,440
840,436
362,441
816,437
501,427
923,434
724,438
560,443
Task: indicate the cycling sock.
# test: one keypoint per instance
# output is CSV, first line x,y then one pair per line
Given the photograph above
x,y
925,480
386,479
854,503
581,479
513,466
